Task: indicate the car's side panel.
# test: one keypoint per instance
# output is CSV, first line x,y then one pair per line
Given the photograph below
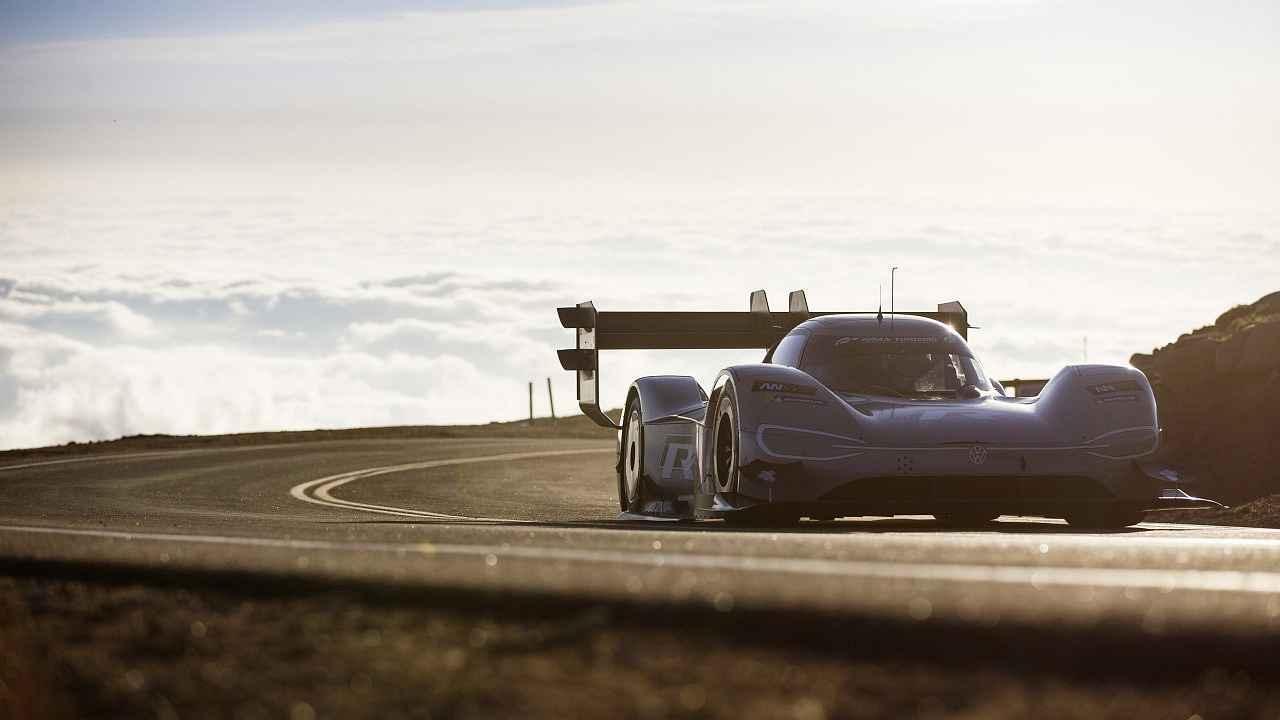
x,y
1111,411
1110,405
772,401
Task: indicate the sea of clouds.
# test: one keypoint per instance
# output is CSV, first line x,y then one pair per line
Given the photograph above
x,y
170,312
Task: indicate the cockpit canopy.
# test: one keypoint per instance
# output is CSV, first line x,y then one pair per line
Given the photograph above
x,y
915,358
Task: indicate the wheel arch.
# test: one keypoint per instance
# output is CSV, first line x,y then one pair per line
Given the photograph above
x,y
672,408
1108,405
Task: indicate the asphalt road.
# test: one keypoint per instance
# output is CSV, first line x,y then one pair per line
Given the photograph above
x,y
539,516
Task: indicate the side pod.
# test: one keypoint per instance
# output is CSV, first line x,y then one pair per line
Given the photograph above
x,y
1109,405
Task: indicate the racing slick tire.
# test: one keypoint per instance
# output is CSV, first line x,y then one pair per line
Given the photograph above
x,y
965,518
1106,517
633,483
724,449
725,467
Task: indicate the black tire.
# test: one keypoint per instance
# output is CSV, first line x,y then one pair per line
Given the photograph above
x,y
966,518
724,456
724,450
631,477
1106,517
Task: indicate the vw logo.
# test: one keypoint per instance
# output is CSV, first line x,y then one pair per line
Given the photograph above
x,y
977,454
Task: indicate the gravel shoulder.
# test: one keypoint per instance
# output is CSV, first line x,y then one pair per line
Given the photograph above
x,y
1263,512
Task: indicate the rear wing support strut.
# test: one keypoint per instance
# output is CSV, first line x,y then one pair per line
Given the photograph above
x,y
585,360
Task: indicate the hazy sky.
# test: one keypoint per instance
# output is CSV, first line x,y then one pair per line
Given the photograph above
x,y
291,214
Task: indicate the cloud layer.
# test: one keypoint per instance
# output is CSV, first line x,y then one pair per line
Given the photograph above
x,y
124,318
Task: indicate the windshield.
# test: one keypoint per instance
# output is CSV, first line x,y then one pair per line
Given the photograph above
x,y
916,367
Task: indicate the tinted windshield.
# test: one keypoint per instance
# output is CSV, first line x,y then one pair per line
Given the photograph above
x,y
918,367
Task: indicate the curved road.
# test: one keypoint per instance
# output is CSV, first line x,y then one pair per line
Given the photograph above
x,y
540,516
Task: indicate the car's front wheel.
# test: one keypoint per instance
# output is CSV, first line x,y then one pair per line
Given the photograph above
x,y
725,449
725,457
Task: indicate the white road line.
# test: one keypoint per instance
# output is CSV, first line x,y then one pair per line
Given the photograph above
x,y
1252,582
155,453
93,458
319,491
196,451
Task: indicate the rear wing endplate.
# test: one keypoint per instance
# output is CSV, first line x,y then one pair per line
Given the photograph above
x,y
759,328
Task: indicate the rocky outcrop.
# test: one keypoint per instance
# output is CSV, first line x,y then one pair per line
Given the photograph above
x,y
1218,389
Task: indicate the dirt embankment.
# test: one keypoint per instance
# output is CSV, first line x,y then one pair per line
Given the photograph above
x,y
574,426
1218,389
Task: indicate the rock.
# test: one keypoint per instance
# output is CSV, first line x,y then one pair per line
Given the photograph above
x,y
1218,391
1228,355
1261,351
1143,361
1192,357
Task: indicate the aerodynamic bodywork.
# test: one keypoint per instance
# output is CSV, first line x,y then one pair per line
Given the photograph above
x,y
853,414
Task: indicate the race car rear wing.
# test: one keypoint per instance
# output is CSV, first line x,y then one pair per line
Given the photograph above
x,y
759,328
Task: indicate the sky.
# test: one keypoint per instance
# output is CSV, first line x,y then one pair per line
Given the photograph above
x,y
231,217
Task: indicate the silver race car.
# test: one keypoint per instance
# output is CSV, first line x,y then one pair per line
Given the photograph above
x,y
852,414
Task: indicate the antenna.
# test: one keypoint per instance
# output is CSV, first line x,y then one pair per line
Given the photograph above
x,y
893,271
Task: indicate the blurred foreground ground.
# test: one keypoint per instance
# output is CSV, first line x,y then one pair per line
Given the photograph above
x,y
81,644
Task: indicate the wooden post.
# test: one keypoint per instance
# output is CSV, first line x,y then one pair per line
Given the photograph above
x,y
551,399
530,402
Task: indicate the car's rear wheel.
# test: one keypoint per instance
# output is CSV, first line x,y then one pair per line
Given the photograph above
x,y
1106,517
631,480
965,518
